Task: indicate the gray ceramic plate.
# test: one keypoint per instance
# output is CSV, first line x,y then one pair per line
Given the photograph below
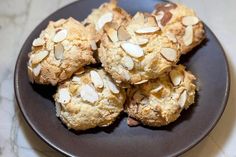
x,y
207,62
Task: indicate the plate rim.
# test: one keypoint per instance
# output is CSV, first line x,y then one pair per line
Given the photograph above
x,y
51,145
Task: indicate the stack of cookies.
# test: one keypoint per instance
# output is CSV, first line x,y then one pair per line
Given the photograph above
x,y
138,70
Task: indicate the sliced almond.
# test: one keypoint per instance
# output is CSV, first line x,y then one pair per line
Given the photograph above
x,y
167,17
38,42
169,54
182,99
123,34
141,41
58,109
59,51
132,49
76,79
176,77
96,79
64,95
107,17
147,30
132,122
37,69
171,37
112,86
159,15
190,20
73,88
125,74
60,36
127,62
188,36
30,74
141,82
93,45
38,57
112,34
157,89
88,93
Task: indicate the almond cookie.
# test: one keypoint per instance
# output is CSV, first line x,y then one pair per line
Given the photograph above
x,y
89,100
137,52
61,49
160,101
180,24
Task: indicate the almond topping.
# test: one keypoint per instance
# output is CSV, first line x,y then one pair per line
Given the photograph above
x,y
141,41
169,54
93,45
112,34
171,37
190,20
147,30
60,36
76,79
36,70
59,51
58,109
123,34
103,20
132,49
112,87
132,122
176,77
127,62
188,36
96,79
88,94
157,89
64,95
38,57
141,82
182,99
38,42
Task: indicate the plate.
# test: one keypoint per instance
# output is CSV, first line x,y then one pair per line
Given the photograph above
x,y
207,62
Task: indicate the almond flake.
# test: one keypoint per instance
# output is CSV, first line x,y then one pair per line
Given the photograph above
x,y
38,42
76,79
127,62
59,51
30,74
169,54
93,45
182,99
88,94
147,30
132,122
112,87
112,34
123,34
36,70
157,89
58,109
188,36
38,57
103,20
171,37
141,41
132,49
190,20
64,95
141,82
159,15
176,77
60,36
96,79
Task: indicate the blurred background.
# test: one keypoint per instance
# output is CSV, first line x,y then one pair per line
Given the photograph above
x,y
19,17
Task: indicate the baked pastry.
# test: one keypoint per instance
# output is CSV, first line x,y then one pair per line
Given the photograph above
x,y
61,49
180,24
160,101
89,100
138,51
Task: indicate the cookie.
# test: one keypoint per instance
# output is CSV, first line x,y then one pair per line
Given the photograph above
x,y
60,50
138,51
180,24
89,100
160,101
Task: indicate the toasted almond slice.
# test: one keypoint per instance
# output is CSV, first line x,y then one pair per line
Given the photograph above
x,y
38,57
112,34
190,20
141,41
176,77
125,73
171,37
38,42
159,15
37,69
132,122
147,30
105,18
132,49
127,62
58,109
76,79
96,79
169,54
59,51
88,94
112,86
93,45
157,89
188,36
64,95
30,74
141,82
60,36
123,34
182,99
